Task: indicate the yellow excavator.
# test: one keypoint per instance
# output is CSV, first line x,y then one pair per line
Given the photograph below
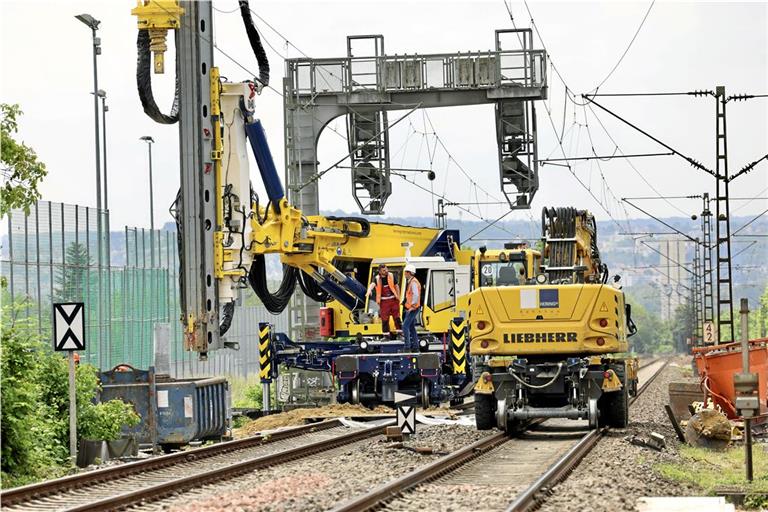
x,y
551,346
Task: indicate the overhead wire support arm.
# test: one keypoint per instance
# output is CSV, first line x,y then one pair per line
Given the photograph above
x,y
668,258
597,157
748,223
743,97
626,94
663,197
747,168
690,160
630,203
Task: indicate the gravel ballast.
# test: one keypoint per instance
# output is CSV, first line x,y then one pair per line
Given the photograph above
x,y
321,481
616,473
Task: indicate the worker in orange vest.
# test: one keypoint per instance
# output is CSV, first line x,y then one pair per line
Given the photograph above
x,y
412,305
387,297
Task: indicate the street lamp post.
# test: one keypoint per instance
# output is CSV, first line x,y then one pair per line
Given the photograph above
x,y
93,24
149,140
104,109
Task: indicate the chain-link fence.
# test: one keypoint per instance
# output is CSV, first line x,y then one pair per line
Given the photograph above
x,y
129,282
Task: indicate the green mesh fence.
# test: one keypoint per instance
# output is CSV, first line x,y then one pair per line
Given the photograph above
x,y
129,282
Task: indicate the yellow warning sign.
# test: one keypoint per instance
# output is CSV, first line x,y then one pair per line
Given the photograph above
x,y
604,307
479,311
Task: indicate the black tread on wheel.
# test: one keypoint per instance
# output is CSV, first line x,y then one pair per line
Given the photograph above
x,y
485,417
614,406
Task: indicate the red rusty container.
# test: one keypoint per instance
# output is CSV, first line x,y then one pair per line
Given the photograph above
x,y
719,363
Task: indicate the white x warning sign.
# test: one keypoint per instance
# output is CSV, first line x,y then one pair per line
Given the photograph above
x,y
69,326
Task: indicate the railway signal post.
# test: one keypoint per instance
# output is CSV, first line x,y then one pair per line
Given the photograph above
x,y
69,336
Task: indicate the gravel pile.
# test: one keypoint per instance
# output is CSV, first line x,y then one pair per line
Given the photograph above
x,y
326,479
298,417
615,474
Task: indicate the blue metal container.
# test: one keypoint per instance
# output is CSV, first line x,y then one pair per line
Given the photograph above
x,y
173,412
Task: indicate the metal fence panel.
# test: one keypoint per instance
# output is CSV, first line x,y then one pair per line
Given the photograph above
x,y
55,254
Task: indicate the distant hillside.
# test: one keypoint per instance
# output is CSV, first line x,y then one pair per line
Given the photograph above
x,y
622,248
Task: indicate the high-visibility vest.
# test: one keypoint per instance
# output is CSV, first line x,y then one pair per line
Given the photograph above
x,y
409,293
390,282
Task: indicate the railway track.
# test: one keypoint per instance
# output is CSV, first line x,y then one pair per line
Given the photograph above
x,y
558,445
151,479
496,472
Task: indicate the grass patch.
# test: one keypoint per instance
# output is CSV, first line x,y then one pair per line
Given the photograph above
x,y
710,469
246,391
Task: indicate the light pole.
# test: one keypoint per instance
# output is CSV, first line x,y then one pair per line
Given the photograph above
x,y
93,24
104,109
149,140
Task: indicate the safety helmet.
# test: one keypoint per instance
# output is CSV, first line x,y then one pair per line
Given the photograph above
x,y
410,268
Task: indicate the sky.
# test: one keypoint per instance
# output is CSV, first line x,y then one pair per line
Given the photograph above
x,y
682,46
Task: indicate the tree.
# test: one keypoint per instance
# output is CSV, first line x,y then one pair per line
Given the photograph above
x,y
683,326
72,280
22,171
758,318
653,335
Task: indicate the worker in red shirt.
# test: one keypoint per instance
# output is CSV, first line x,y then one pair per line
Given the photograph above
x,y
387,297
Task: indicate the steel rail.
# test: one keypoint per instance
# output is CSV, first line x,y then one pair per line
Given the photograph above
x,y
157,491
383,493
24,493
536,492
423,474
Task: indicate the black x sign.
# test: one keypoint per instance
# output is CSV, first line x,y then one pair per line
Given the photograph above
x,y
69,326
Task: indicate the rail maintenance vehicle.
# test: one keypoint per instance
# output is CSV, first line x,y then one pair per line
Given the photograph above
x,y
551,346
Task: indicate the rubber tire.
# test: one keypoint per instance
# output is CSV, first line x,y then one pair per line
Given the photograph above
x,y
617,412
614,407
485,411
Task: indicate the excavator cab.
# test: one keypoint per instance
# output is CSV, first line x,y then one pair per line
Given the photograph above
x,y
515,265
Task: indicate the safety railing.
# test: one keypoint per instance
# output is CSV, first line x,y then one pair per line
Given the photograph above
x,y
407,73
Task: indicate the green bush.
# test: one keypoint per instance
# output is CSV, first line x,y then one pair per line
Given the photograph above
x,y
30,442
34,389
105,420
245,391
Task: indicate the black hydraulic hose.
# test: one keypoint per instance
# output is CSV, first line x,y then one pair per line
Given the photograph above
x,y
177,214
144,83
227,315
255,40
311,289
365,226
257,277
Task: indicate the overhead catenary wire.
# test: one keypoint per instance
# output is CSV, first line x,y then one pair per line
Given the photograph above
x,y
453,203
690,160
437,141
570,96
748,223
629,162
760,195
626,50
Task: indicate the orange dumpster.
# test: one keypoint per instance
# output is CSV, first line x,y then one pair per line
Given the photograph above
x,y
718,364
